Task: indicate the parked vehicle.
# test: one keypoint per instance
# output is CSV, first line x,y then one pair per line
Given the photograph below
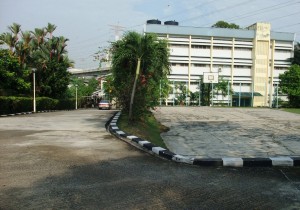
x,y
104,104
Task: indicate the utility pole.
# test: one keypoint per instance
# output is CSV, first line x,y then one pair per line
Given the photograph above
x,y
117,29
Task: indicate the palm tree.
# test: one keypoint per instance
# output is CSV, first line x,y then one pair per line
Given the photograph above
x,y
24,47
39,35
66,60
50,28
147,53
8,39
15,28
61,47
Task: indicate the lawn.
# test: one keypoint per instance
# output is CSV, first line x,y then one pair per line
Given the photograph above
x,y
147,128
292,110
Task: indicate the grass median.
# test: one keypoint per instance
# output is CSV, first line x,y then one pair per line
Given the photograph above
x,y
148,128
292,110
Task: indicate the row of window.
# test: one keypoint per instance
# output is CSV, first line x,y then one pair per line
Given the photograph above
x,y
223,48
208,47
222,66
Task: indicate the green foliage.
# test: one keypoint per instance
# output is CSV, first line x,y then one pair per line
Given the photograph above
x,y
194,98
66,104
296,58
12,104
182,93
222,86
12,76
296,111
153,54
148,128
53,81
45,103
223,24
205,94
41,50
290,85
84,87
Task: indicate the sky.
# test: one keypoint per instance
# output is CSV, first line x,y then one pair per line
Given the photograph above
x,y
90,25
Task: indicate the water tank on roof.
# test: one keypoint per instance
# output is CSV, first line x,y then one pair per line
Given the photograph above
x,y
153,21
172,23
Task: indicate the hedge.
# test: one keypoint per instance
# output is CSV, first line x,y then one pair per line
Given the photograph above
x,y
12,104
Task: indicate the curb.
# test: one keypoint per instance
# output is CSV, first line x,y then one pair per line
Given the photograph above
x,y
145,145
26,113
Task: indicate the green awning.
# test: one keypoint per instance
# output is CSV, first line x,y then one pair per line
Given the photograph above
x,y
246,94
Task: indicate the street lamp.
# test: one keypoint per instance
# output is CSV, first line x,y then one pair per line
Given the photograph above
x,y
34,101
199,91
76,96
228,91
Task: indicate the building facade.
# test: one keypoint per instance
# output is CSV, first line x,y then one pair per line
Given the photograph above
x,y
251,59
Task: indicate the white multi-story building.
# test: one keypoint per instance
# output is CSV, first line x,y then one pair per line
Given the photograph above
x,y
250,59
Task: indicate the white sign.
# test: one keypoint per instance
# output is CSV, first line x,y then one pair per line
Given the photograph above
x,y
210,77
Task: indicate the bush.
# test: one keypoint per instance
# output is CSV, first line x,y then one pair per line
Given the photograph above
x,y
45,103
12,104
65,104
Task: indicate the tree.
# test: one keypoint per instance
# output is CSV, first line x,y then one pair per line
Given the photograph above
x,y
139,64
50,28
223,24
205,93
183,93
12,76
290,85
296,58
39,36
222,86
84,87
8,39
49,56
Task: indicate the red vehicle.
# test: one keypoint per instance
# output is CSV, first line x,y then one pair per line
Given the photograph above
x,y
104,104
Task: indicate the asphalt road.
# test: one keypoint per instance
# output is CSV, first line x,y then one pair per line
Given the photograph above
x,y
66,160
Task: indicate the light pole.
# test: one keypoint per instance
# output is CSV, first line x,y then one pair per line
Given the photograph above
x,y
160,92
228,91
76,96
34,101
212,94
277,96
200,92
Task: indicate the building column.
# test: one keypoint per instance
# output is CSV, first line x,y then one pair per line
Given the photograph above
x,y
211,53
232,67
272,74
261,62
189,66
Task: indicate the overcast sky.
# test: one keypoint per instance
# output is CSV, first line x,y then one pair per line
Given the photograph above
x,y
89,23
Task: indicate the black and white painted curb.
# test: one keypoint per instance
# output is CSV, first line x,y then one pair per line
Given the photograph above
x,y
26,113
112,127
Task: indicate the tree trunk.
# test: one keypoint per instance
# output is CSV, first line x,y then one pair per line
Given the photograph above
x,y
134,87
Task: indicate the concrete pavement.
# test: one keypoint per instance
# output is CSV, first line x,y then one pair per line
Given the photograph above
x,y
223,137
206,132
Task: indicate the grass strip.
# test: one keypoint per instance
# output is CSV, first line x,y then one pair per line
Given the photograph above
x,y
148,128
292,110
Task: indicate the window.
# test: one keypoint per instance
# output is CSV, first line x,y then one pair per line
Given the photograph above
x,y
242,49
183,64
242,67
199,65
221,48
200,47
